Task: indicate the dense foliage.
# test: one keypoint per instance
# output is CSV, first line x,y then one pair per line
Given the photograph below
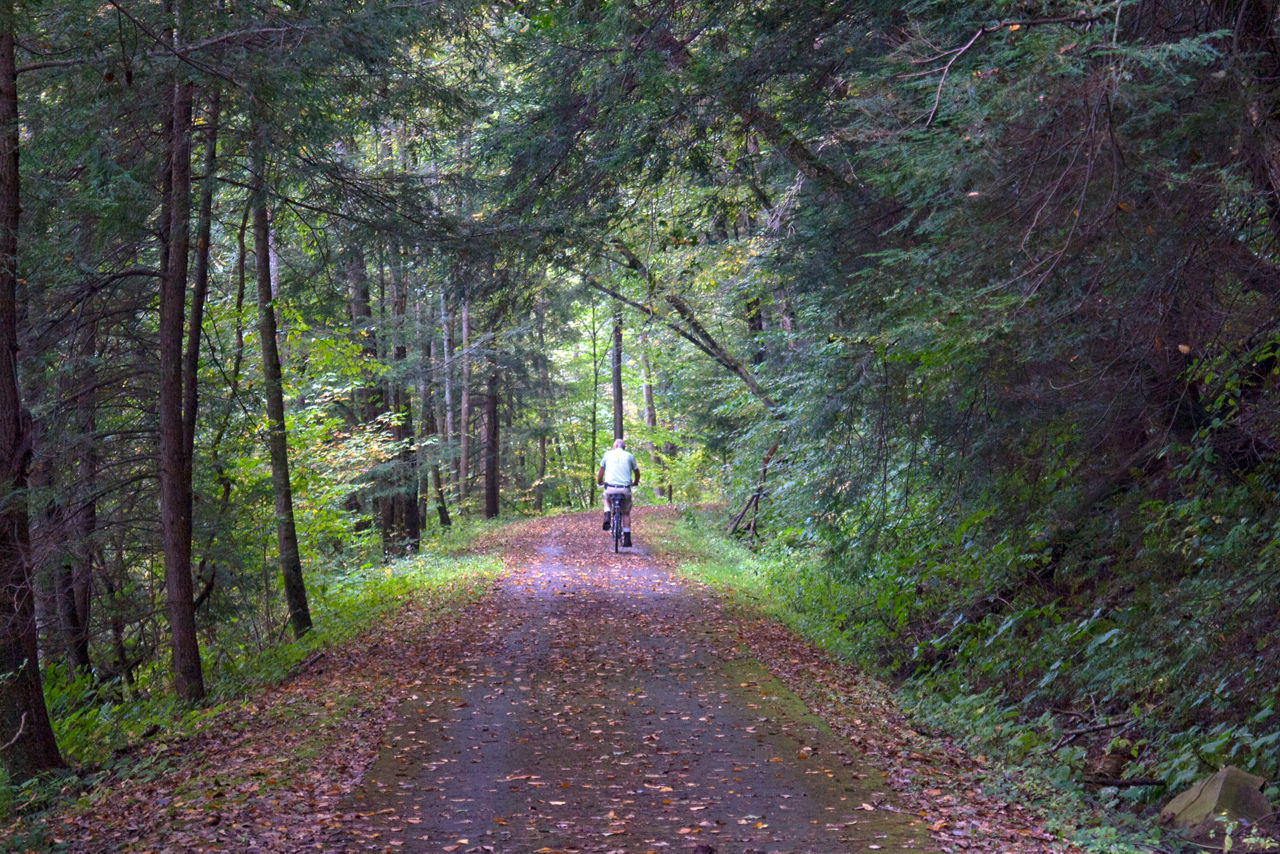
x,y
972,305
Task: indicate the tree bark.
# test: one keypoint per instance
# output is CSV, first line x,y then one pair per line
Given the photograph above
x,y
66,533
175,458
77,568
595,405
277,437
115,610
233,388
446,379
464,419
617,372
544,393
431,427
651,424
491,448
406,474
200,288
366,396
27,745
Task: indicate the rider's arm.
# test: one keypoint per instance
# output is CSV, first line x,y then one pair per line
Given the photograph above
x,y
636,475
600,476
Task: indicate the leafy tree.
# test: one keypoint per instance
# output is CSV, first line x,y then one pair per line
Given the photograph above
x,y
29,746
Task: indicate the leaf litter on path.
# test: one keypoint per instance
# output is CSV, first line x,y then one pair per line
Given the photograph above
x,y
608,706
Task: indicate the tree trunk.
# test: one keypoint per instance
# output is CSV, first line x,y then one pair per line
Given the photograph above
x,y
464,419
62,545
74,591
277,438
651,423
204,232
199,291
385,491
431,427
755,325
175,457
233,389
368,398
595,406
491,448
27,745
115,611
365,397
544,394
617,372
406,471
446,376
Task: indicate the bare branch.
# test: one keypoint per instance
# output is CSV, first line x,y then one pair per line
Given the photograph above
x,y
955,53
22,725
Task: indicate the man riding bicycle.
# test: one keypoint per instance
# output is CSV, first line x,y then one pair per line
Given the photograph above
x,y
617,474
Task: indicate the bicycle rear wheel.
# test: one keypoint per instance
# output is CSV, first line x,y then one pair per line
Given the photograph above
x,y
615,502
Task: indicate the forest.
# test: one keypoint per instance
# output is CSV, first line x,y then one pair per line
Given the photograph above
x,y
961,318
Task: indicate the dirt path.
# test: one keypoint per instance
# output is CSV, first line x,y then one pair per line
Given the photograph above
x,y
604,706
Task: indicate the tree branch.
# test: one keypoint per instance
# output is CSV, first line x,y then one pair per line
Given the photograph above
x,y
709,344
955,53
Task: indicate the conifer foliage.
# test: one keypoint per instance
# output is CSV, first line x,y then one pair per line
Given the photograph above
x,y
974,304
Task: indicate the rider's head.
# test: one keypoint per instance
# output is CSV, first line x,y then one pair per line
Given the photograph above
x,y
619,443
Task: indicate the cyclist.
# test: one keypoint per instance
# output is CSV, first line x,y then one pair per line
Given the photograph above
x,y
618,472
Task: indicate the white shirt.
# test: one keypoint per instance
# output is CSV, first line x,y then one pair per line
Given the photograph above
x,y
618,466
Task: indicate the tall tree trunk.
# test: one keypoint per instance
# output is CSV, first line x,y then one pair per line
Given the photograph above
x,y
540,490
200,285
175,457
755,325
199,291
277,438
446,376
366,396
430,427
617,372
385,495
84,520
406,473
595,406
651,423
233,389
115,611
27,745
491,448
66,536
464,419
544,393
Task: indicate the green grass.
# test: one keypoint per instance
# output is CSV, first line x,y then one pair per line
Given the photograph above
x,y
788,586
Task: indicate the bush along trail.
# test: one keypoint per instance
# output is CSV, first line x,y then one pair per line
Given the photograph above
x,y
587,702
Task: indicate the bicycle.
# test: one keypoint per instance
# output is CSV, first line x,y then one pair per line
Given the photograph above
x,y
615,515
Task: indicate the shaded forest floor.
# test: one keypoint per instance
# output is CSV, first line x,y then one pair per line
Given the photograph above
x,y
588,702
